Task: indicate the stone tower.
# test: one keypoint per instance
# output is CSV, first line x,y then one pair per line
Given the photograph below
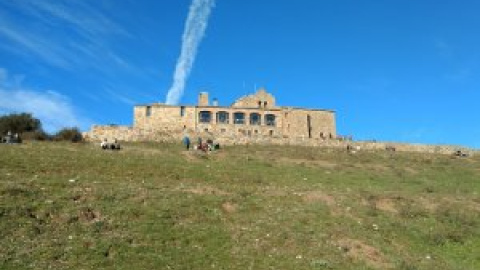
x,y
203,99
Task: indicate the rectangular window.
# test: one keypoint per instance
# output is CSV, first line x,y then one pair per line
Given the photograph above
x,y
270,119
205,117
182,111
148,111
239,118
223,117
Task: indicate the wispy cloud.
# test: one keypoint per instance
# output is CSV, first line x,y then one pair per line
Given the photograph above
x,y
117,96
53,109
83,35
195,26
87,20
34,44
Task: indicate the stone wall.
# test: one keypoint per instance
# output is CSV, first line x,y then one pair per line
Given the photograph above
x,y
128,134
124,133
300,123
164,118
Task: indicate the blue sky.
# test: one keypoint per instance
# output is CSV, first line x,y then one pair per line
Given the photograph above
x,y
397,70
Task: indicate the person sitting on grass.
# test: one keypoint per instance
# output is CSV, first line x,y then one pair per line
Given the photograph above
x,y
104,144
115,145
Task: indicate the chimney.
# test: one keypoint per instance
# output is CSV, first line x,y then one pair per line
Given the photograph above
x,y
215,102
203,99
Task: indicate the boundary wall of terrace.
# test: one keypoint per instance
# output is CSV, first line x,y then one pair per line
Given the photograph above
x,y
130,134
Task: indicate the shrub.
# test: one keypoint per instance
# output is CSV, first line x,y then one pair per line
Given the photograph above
x,y
69,134
38,135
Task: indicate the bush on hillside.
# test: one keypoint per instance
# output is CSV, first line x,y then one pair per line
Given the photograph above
x,y
19,123
69,134
38,135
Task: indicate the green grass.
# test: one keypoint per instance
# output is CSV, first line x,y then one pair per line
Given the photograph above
x,y
155,206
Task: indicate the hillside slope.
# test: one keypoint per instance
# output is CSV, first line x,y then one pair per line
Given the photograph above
x,y
155,206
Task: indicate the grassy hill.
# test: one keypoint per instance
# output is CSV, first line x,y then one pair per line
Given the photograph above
x,y
155,206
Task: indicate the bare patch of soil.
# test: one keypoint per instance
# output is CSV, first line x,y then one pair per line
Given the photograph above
x,y
410,170
358,250
429,205
82,195
194,155
274,192
387,205
89,215
308,162
206,190
143,150
318,196
229,207
384,203
374,167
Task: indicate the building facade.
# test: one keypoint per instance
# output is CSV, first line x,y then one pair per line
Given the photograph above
x,y
254,115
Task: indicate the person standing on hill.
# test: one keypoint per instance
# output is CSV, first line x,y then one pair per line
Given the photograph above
x,y
186,142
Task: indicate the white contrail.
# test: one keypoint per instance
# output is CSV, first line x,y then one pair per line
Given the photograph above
x,y
194,31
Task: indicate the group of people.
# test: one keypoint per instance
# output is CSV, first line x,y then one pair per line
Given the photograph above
x,y
11,138
460,153
115,145
208,145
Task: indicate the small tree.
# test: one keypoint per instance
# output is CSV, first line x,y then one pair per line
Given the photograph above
x,y
69,134
19,123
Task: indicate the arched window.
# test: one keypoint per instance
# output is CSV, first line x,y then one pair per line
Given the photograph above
x,y
270,119
255,119
223,117
239,118
204,117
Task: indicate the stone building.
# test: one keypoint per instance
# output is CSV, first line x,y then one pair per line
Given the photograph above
x,y
251,119
254,117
